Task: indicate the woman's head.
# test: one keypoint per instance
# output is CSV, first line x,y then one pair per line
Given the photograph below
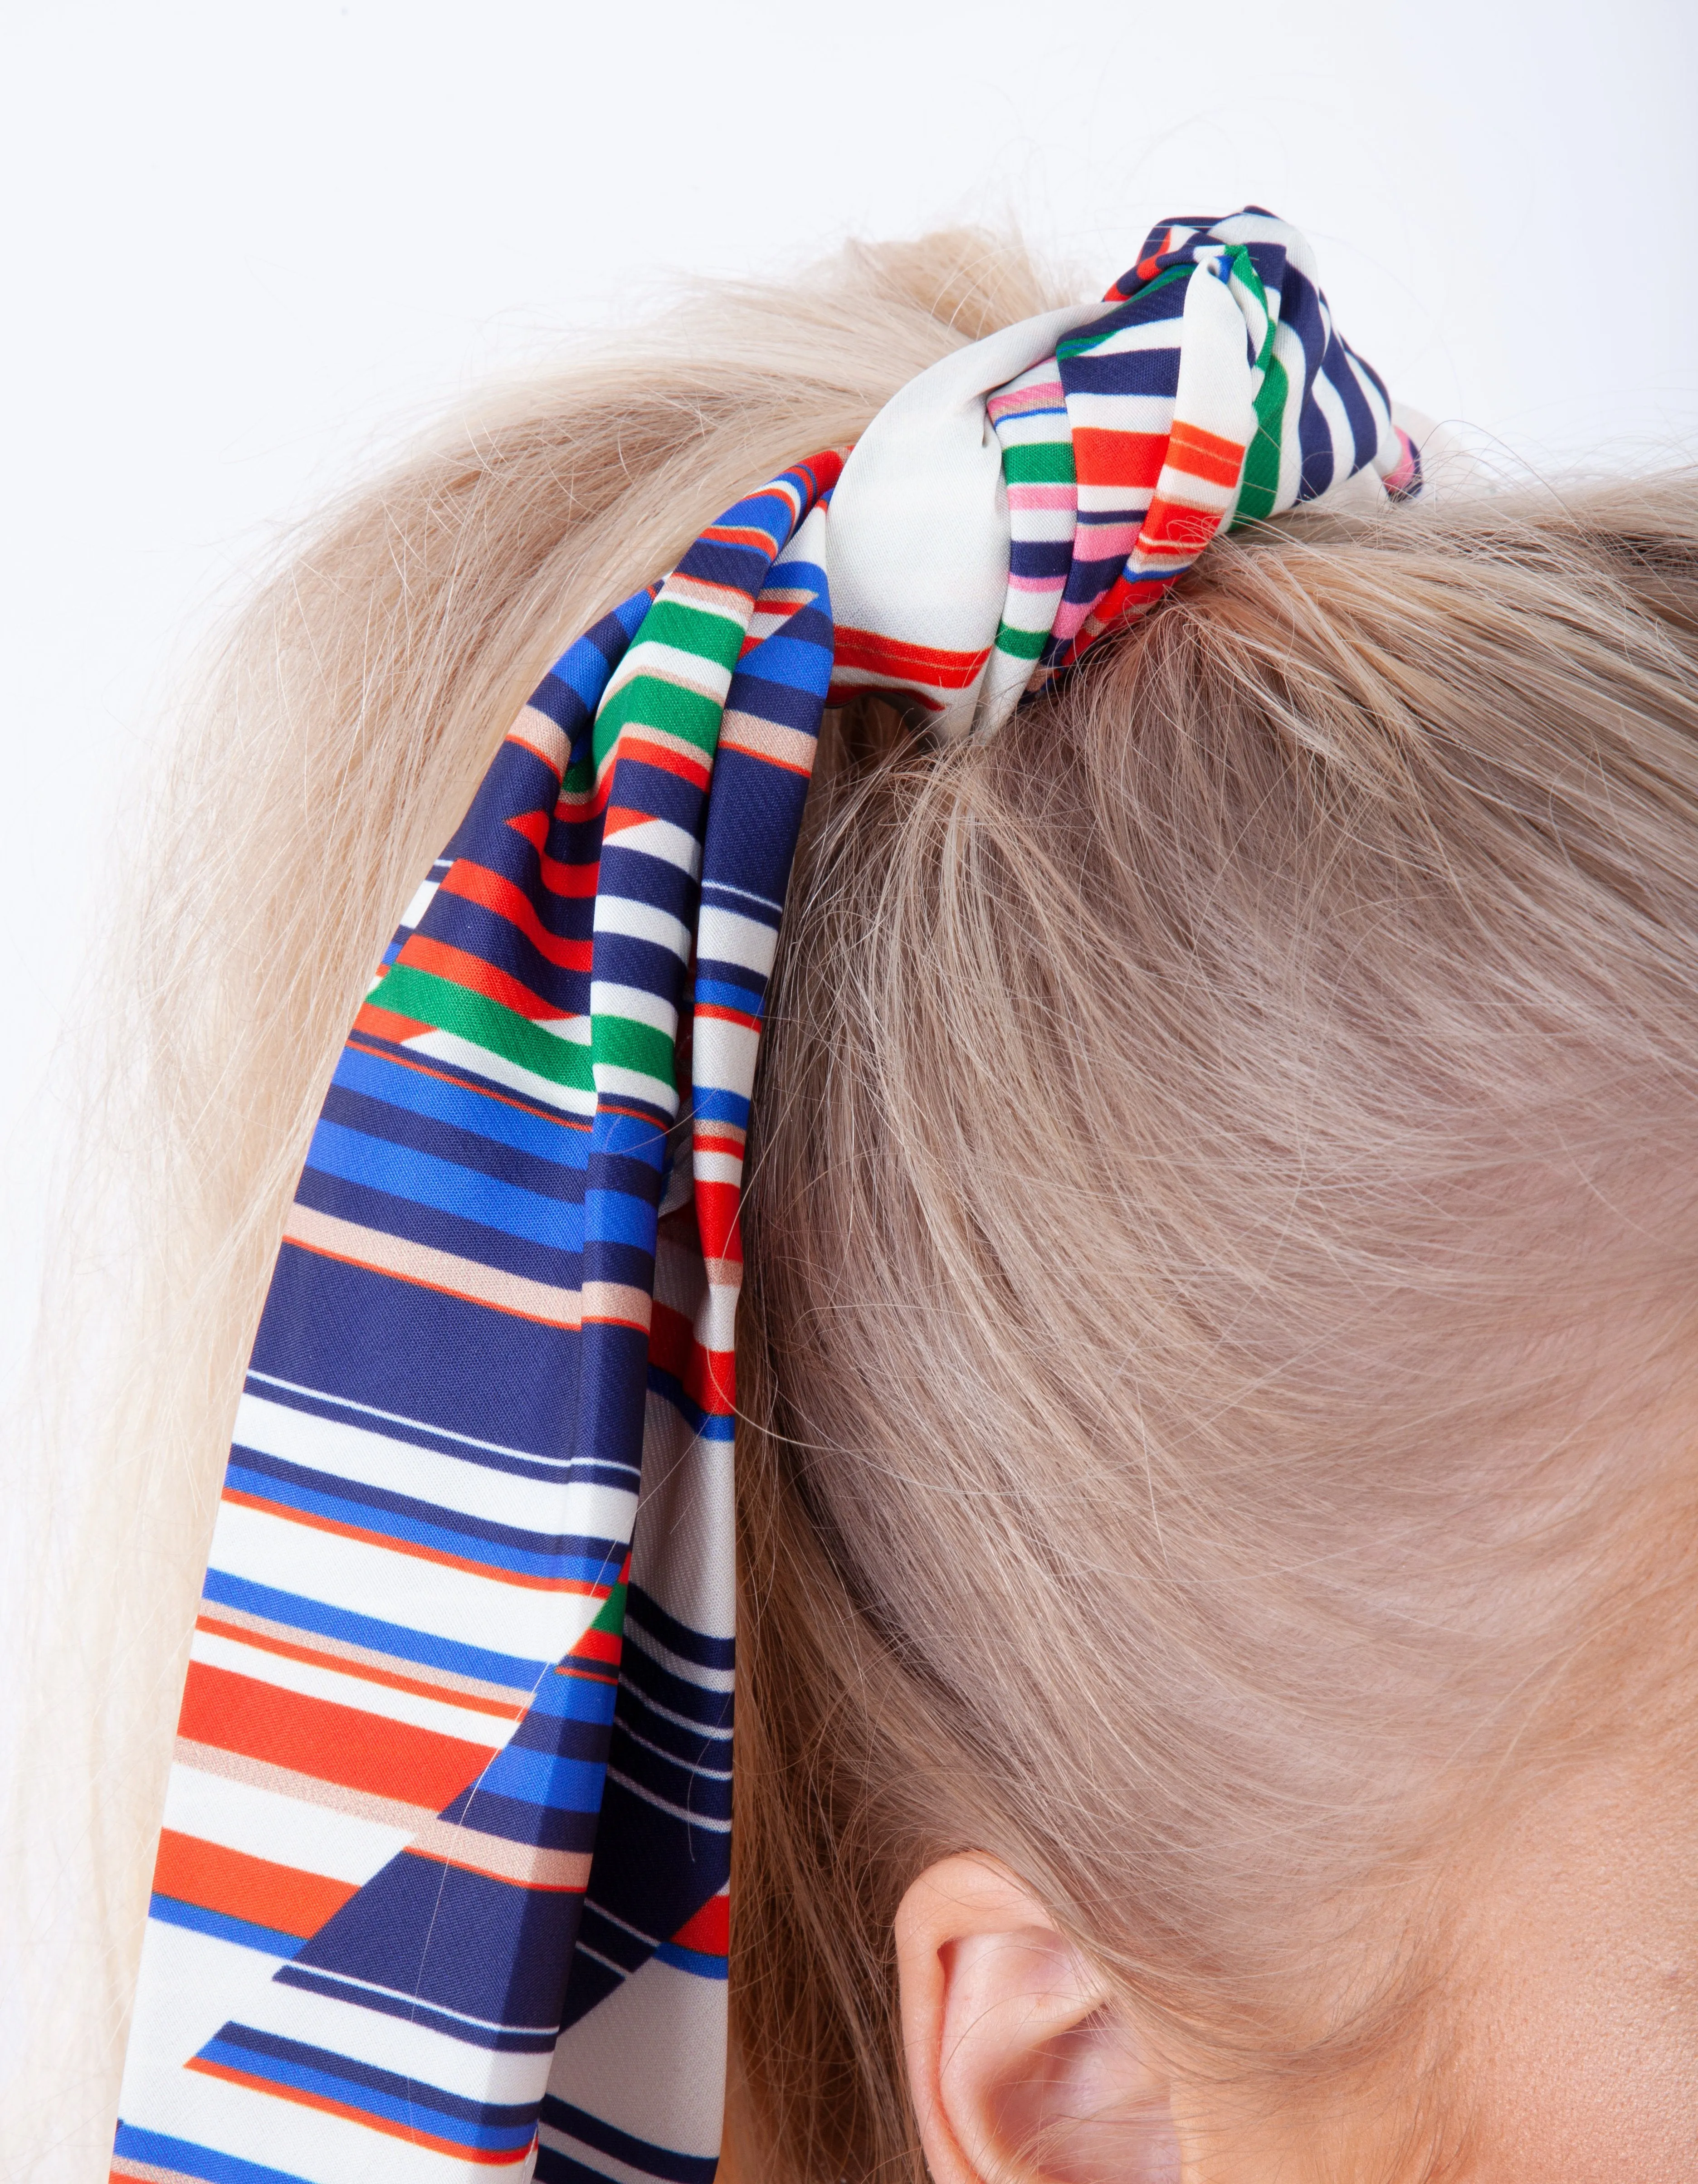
x,y
1219,1329
1214,1484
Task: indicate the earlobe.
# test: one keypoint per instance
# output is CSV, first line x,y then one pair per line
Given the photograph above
x,y
1022,2070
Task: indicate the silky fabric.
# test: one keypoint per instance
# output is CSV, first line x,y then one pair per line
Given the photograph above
x,y
442,1887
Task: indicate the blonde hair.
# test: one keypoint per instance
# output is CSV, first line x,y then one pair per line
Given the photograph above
x,y
1211,1136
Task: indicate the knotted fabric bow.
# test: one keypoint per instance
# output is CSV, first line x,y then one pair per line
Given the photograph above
x,y
442,1884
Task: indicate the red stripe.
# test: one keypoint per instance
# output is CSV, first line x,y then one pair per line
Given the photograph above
x,y
1171,527
256,1889
692,769
1130,460
384,1023
595,1645
717,1205
710,1930
569,879
474,976
490,891
867,651
671,1340
330,1742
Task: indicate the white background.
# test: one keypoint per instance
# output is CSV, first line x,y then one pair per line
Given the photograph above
x,y
246,244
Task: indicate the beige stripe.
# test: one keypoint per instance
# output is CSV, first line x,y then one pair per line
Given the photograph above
x,y
544,736
432,1269
340,1649
286,1782
508,1861
430,1836
146,2173
618,1301
670,663
746,732
724,601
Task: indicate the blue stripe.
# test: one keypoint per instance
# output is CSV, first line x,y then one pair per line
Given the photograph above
x,y
295,1610
544,1778
172,1911
269,1482
404,1172
492,2123
691,1960
189,2159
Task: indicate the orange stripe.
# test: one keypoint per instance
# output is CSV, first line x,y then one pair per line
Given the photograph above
x,y
332,1743
347,1668
1171,527
1206,454
256,1889
486,2157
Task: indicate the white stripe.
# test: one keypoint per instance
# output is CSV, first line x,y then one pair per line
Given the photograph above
x,y
471,1723
217,1809
635,1004
724,936
671,664
551,1507
416,2051
450,1046
641,921
611,1078
400,1418
463,1606
707,1679
660,2009
421,901
658,837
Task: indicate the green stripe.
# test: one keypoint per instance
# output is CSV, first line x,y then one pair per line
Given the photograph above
x,y
652,703
1258,491
709,636
625,1044
1047,462
1259,488
489,1024
1022,643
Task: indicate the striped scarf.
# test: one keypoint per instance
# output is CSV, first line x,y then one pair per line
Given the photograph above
x,y
442,1889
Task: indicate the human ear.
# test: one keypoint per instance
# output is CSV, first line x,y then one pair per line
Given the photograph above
x,y
1023,2069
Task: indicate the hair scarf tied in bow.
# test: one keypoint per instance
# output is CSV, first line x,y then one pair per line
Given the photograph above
x,y
442,1889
